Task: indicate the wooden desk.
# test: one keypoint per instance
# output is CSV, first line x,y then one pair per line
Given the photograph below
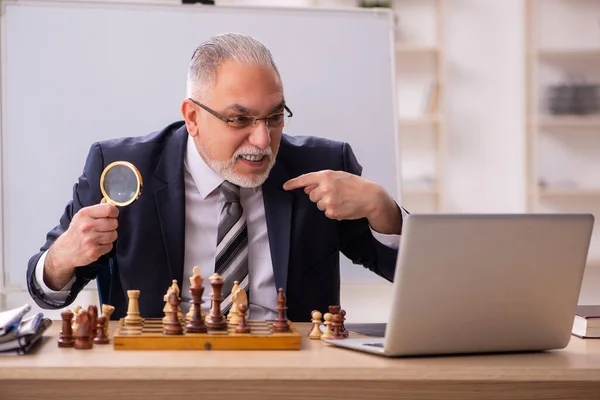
x,y
318,371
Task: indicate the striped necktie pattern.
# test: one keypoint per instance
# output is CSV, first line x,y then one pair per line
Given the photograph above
x,y
231,260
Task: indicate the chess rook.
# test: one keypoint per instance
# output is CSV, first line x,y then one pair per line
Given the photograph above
x,y
66,338
133,310
281,323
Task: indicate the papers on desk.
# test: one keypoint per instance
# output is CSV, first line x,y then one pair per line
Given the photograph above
x,y
18,335
587,321
11,318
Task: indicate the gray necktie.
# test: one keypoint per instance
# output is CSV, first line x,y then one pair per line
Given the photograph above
x,y
231,260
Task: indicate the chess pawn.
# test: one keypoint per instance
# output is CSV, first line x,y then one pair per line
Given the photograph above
x,y
66,338
315,333
133,309
243,326
328,333
100,337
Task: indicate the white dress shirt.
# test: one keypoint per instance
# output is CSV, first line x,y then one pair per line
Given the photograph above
x,y
203,203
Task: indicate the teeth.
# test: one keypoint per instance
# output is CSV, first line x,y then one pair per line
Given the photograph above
x,y
253,158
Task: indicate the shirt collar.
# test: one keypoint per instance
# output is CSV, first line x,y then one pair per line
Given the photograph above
x,y
204,177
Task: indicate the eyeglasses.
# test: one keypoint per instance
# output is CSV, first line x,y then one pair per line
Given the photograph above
x,y
275,121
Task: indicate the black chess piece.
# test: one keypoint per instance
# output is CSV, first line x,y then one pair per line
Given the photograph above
x,y
196,323
216,321
243,326
100,337
281,323
66,338
173,325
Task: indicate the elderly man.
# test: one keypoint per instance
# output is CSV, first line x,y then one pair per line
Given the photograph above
x,y
226,190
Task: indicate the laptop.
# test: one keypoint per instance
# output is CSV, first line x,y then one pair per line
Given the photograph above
x,y
468,284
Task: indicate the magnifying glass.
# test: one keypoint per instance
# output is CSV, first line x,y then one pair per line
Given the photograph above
x,y
121,183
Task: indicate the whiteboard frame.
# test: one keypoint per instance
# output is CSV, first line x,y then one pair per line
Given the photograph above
x,y
6,286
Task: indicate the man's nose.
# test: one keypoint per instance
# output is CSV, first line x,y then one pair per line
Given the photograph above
x,y
261,135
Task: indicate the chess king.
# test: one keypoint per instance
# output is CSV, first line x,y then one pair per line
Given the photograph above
x,y
227,190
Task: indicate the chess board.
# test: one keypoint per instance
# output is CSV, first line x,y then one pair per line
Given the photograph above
x,y
149,336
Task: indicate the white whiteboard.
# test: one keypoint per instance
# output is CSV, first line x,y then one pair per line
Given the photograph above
x,y
77,72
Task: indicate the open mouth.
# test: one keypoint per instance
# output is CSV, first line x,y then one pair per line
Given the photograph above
x,y
253,158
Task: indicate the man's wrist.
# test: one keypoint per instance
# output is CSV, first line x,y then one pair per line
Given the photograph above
x,y
383,213
56,275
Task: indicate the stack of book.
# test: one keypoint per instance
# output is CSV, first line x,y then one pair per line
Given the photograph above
x,y
18,333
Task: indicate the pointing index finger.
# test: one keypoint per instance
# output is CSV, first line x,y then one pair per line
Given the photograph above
x,y
311,178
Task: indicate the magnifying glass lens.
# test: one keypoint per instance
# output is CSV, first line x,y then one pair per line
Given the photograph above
x,y
121,183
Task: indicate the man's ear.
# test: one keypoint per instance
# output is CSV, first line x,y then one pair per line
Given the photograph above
x,y
190,116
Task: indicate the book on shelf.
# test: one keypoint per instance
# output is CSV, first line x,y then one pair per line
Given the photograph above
x,y
19,335
586,323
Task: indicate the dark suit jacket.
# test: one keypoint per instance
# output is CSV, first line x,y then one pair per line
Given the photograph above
x,y
149,251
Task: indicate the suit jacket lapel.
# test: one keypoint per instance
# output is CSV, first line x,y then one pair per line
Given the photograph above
x,y
278,211
170,201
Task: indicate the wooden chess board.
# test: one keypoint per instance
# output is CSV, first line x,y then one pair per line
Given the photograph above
x,y
149,336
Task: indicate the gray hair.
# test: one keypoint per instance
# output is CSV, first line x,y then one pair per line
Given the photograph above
x,y
211,54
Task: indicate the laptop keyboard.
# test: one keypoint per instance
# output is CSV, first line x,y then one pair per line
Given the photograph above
x,y
376,329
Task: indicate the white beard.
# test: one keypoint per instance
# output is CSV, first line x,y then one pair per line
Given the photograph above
x,y
225,169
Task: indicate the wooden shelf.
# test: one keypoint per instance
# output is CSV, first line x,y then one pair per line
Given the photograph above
x,y
419,191
416,49
591,121
569,53
569,192
421,121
